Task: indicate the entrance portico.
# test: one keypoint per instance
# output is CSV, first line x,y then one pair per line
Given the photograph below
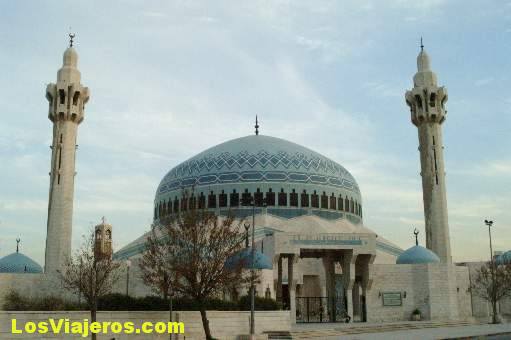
x,y
336,262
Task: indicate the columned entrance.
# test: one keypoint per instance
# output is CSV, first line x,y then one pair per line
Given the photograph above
x,y
337,293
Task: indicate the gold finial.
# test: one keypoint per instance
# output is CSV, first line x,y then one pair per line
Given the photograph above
x,y
422,45
103,220
18,240
71,37
416,233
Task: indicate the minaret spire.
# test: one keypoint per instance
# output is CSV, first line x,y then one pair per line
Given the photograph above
x,y
67,99
256,127
18,240
427,107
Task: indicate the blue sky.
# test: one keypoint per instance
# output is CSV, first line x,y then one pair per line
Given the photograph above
x,y
170,78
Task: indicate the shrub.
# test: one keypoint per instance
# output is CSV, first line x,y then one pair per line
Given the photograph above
x,y
15,301
259,303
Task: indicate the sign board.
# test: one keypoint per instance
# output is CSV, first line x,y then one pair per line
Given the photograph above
x,y
392,299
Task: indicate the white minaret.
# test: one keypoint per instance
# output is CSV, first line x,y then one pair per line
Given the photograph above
x,y
67,100
426,101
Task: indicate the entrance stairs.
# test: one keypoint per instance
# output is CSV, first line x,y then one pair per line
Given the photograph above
x,y
315,331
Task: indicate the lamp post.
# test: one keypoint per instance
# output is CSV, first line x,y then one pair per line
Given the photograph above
x,y
492,269
128,265
490,224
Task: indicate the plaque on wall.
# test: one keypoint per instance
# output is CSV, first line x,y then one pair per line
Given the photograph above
x,y
392,299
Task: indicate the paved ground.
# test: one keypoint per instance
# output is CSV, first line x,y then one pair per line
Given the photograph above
x,y
402,331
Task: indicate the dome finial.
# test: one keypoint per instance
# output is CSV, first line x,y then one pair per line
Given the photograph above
x,y
18,240
71,37
422,45
256,127
103,220
416,233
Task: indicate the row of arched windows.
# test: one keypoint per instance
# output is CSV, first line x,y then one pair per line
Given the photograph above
x,y
271,198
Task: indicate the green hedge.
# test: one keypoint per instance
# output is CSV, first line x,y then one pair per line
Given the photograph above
x,y
120,302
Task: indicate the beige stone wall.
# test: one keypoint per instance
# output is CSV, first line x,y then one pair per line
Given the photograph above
x,y
224,325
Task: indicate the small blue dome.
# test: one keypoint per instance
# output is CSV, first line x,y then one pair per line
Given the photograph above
x,y
261,261
416,255
19,263
504,258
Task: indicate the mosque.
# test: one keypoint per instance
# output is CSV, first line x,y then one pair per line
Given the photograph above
x,y
316,255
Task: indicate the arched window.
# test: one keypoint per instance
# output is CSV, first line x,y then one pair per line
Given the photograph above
x,y
184,202
202,201
235,199
108,234
324,201
169,206
356,208
164,209
159,209
258,198
315,200
293,199
246,198
352,208
418,101
305,199
432,99
193,202
333,202
98,234
347,204
155,212
340,202
211,200
360,210
282,198
222,200
270,198
176,205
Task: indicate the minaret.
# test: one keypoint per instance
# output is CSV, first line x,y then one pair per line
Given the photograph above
x,y
67,100
426,101
103,240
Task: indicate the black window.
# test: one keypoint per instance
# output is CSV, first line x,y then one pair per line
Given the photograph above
x,y
155,213
246,198
324,201
258,198
164,209
360,211
352,208
305,199
356,208
270,198
235,199
293,199
176,205
183,204
315,200
202,201
347,204
282,198
333,202
222,200
340,202
169,206
211,200
193,202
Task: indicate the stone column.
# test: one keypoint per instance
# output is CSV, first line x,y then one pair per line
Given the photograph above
x,y
348,270
279,280
328,264
291,287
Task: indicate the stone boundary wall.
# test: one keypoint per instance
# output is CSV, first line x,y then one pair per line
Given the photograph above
x,y
225,325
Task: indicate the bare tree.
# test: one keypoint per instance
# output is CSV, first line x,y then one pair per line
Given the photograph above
x,y
91,276
492,283
195,246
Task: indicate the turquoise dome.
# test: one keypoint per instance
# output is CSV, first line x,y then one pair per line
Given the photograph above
x,y
244,257
255,165
504,258
19,263
416,255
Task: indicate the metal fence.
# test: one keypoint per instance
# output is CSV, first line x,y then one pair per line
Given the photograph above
x,y
321,309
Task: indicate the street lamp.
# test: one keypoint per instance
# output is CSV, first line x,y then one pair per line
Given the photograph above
x,y
489,224
128,265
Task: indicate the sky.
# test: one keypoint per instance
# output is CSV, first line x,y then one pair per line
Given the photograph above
x,y
169,79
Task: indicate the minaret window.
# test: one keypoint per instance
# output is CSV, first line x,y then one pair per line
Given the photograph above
x,y
293,199
282,198
418,101
340,203
75,98
235,199
211,200
324,201
432,99
305,199
62,96
270,198
315,200
108,235
258,198
222,200
333,202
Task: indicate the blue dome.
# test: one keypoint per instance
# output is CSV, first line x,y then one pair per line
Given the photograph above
x,y
503,258
19,263
260,164
261,261
416,255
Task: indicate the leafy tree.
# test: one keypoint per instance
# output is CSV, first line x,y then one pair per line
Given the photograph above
x,y
90,275
492,283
